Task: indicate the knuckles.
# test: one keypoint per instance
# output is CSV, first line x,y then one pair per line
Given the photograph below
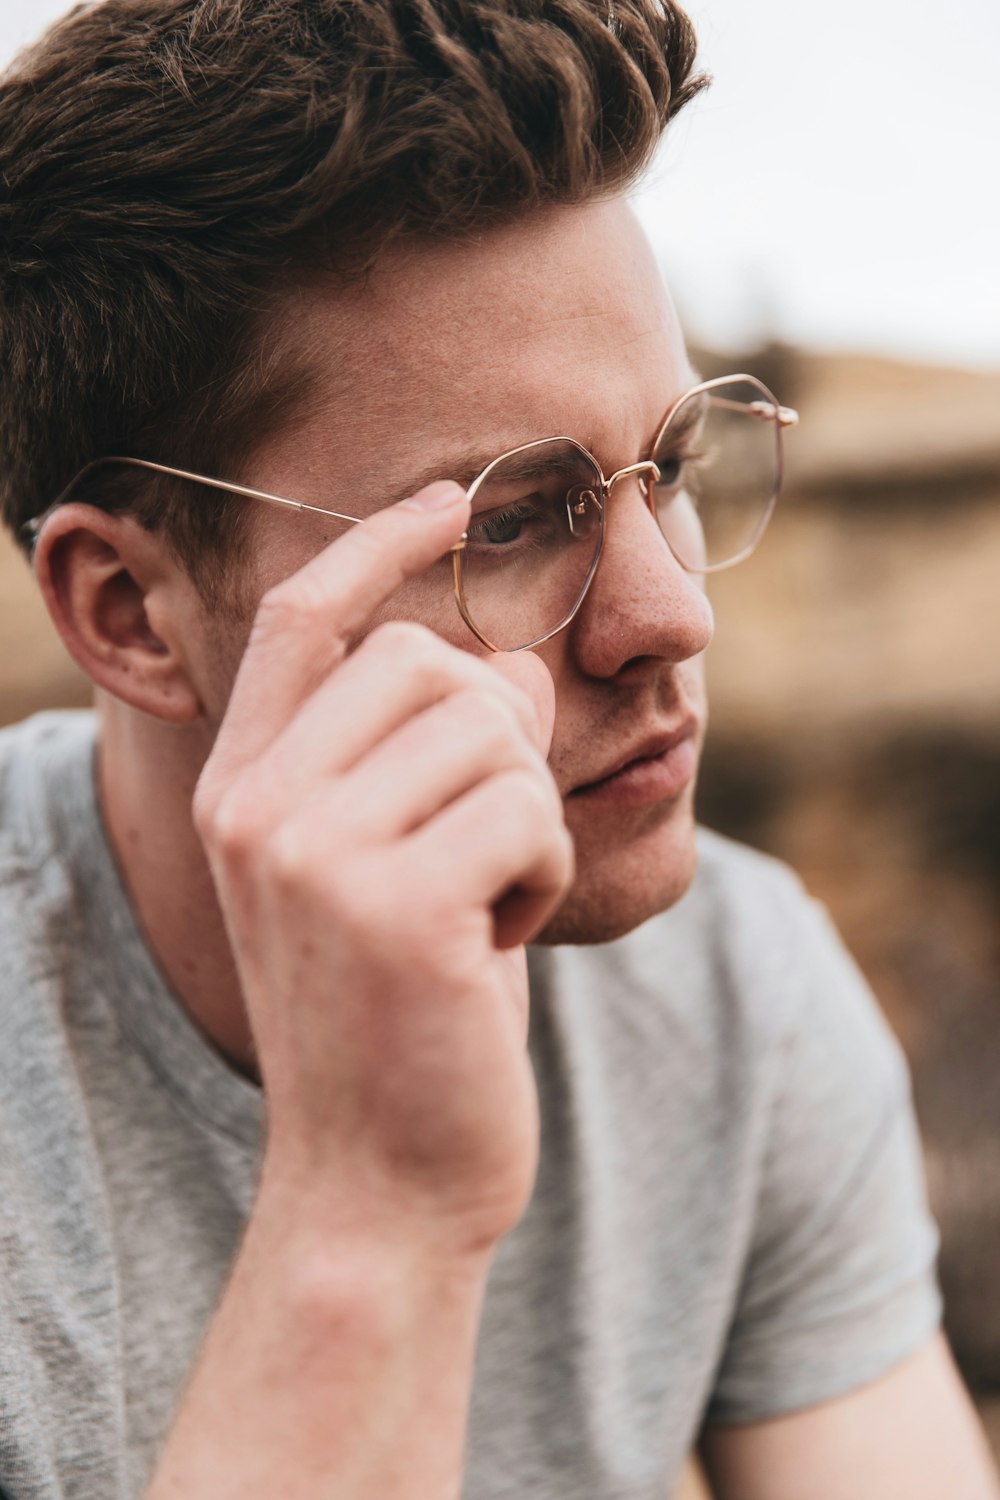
x,y
296,605
205,805
281,614
565,854
258,842
404,649
260,830
408,643
439,668
291,859
484,721
354,889
529,795
231,823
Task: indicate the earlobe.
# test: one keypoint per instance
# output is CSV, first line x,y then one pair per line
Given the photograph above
x,y
105,581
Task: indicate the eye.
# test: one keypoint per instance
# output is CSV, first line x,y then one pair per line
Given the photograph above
x,y
680,470
501,528
671,467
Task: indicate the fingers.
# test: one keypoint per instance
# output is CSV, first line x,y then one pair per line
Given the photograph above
x,y
397,672
402,746
527,672
305,625
500,847
435,758
404,727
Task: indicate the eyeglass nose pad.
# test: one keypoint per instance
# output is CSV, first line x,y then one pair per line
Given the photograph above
x,y
583,509
648,478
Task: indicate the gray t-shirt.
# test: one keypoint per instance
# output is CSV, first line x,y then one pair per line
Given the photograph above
x,y
729,1221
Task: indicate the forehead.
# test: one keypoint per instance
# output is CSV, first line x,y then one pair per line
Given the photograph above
x,y
450,353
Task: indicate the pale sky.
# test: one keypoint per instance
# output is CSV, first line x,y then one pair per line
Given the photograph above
x,y
837,186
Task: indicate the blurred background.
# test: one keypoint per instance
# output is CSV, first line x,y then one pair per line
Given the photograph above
x,y
828,218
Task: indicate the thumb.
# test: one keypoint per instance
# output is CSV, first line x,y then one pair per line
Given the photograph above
x,y
528,672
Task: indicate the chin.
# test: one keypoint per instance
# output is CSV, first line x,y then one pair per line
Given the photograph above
x,y
625,874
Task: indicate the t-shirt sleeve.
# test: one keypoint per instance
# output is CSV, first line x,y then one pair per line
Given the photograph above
x,y
839,1283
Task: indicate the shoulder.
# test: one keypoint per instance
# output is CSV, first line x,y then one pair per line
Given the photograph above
x,y
740,951
46,765
46,822
733,877
59,1327
743,973
760,937
747,909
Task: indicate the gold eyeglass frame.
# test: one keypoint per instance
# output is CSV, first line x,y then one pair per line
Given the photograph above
x,y
767,409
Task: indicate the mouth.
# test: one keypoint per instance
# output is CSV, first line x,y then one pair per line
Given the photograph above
x,y
657,770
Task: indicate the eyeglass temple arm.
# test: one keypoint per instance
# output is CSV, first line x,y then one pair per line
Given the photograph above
x,y
785,416
213,484
33,527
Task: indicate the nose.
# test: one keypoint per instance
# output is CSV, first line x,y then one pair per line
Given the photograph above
x,y
641,602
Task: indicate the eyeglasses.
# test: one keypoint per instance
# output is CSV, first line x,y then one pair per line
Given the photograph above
x,y
522,568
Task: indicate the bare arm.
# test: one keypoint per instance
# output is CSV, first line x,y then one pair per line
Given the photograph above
x,y
913,1433
331,1369
384,836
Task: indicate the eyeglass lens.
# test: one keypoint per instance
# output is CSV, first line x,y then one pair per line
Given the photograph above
x,y
538,518
719,458
534,537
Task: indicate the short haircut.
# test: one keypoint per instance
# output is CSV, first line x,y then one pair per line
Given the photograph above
x,y
167,167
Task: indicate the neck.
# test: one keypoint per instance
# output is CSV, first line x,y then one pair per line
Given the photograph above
x,y
147,776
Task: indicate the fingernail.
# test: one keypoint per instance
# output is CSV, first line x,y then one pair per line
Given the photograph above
x,y
441,495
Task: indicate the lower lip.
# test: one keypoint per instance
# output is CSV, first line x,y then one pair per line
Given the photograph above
x,y
643,783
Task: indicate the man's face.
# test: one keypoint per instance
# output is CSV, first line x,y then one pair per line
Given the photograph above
x,y
447,357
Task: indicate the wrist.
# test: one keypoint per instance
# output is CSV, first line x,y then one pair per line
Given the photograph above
x,y
343,1240
314,1203
341,1358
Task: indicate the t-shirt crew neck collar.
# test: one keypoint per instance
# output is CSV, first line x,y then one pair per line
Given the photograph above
x,y
127,974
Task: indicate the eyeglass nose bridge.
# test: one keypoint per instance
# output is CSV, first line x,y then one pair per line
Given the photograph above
x,y
581,497
647,467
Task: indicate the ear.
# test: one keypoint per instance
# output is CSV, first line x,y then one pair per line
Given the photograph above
x,y
120,601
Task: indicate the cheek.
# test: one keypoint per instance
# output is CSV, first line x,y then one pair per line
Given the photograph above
x,y
214,658
627,871
283,547
429,600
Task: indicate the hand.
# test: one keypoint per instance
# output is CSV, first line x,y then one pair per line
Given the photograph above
x,y
385,835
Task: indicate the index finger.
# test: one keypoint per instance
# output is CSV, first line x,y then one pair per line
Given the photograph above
x,y
305,624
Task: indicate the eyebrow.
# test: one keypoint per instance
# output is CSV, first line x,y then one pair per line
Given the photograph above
x,y
536,464
465,466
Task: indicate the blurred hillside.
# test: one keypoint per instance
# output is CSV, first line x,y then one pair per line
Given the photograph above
x,y
875,597
855,683
35,672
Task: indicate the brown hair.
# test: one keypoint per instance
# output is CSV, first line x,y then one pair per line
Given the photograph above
x,y
167,166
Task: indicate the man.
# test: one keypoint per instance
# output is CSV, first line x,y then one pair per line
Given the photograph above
x,y
344,255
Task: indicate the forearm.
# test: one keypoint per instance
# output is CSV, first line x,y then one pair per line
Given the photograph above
x,y
334,1368
386,995
911,1432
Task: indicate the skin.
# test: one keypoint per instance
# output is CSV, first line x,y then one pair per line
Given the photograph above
x,y
559,326
383,814
516,354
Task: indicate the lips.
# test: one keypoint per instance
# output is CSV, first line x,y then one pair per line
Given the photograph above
x,y
671,753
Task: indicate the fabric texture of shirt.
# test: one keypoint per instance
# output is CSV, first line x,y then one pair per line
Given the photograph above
x,y
729,1221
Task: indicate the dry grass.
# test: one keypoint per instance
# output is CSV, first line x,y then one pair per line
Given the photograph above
x,y
35,672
